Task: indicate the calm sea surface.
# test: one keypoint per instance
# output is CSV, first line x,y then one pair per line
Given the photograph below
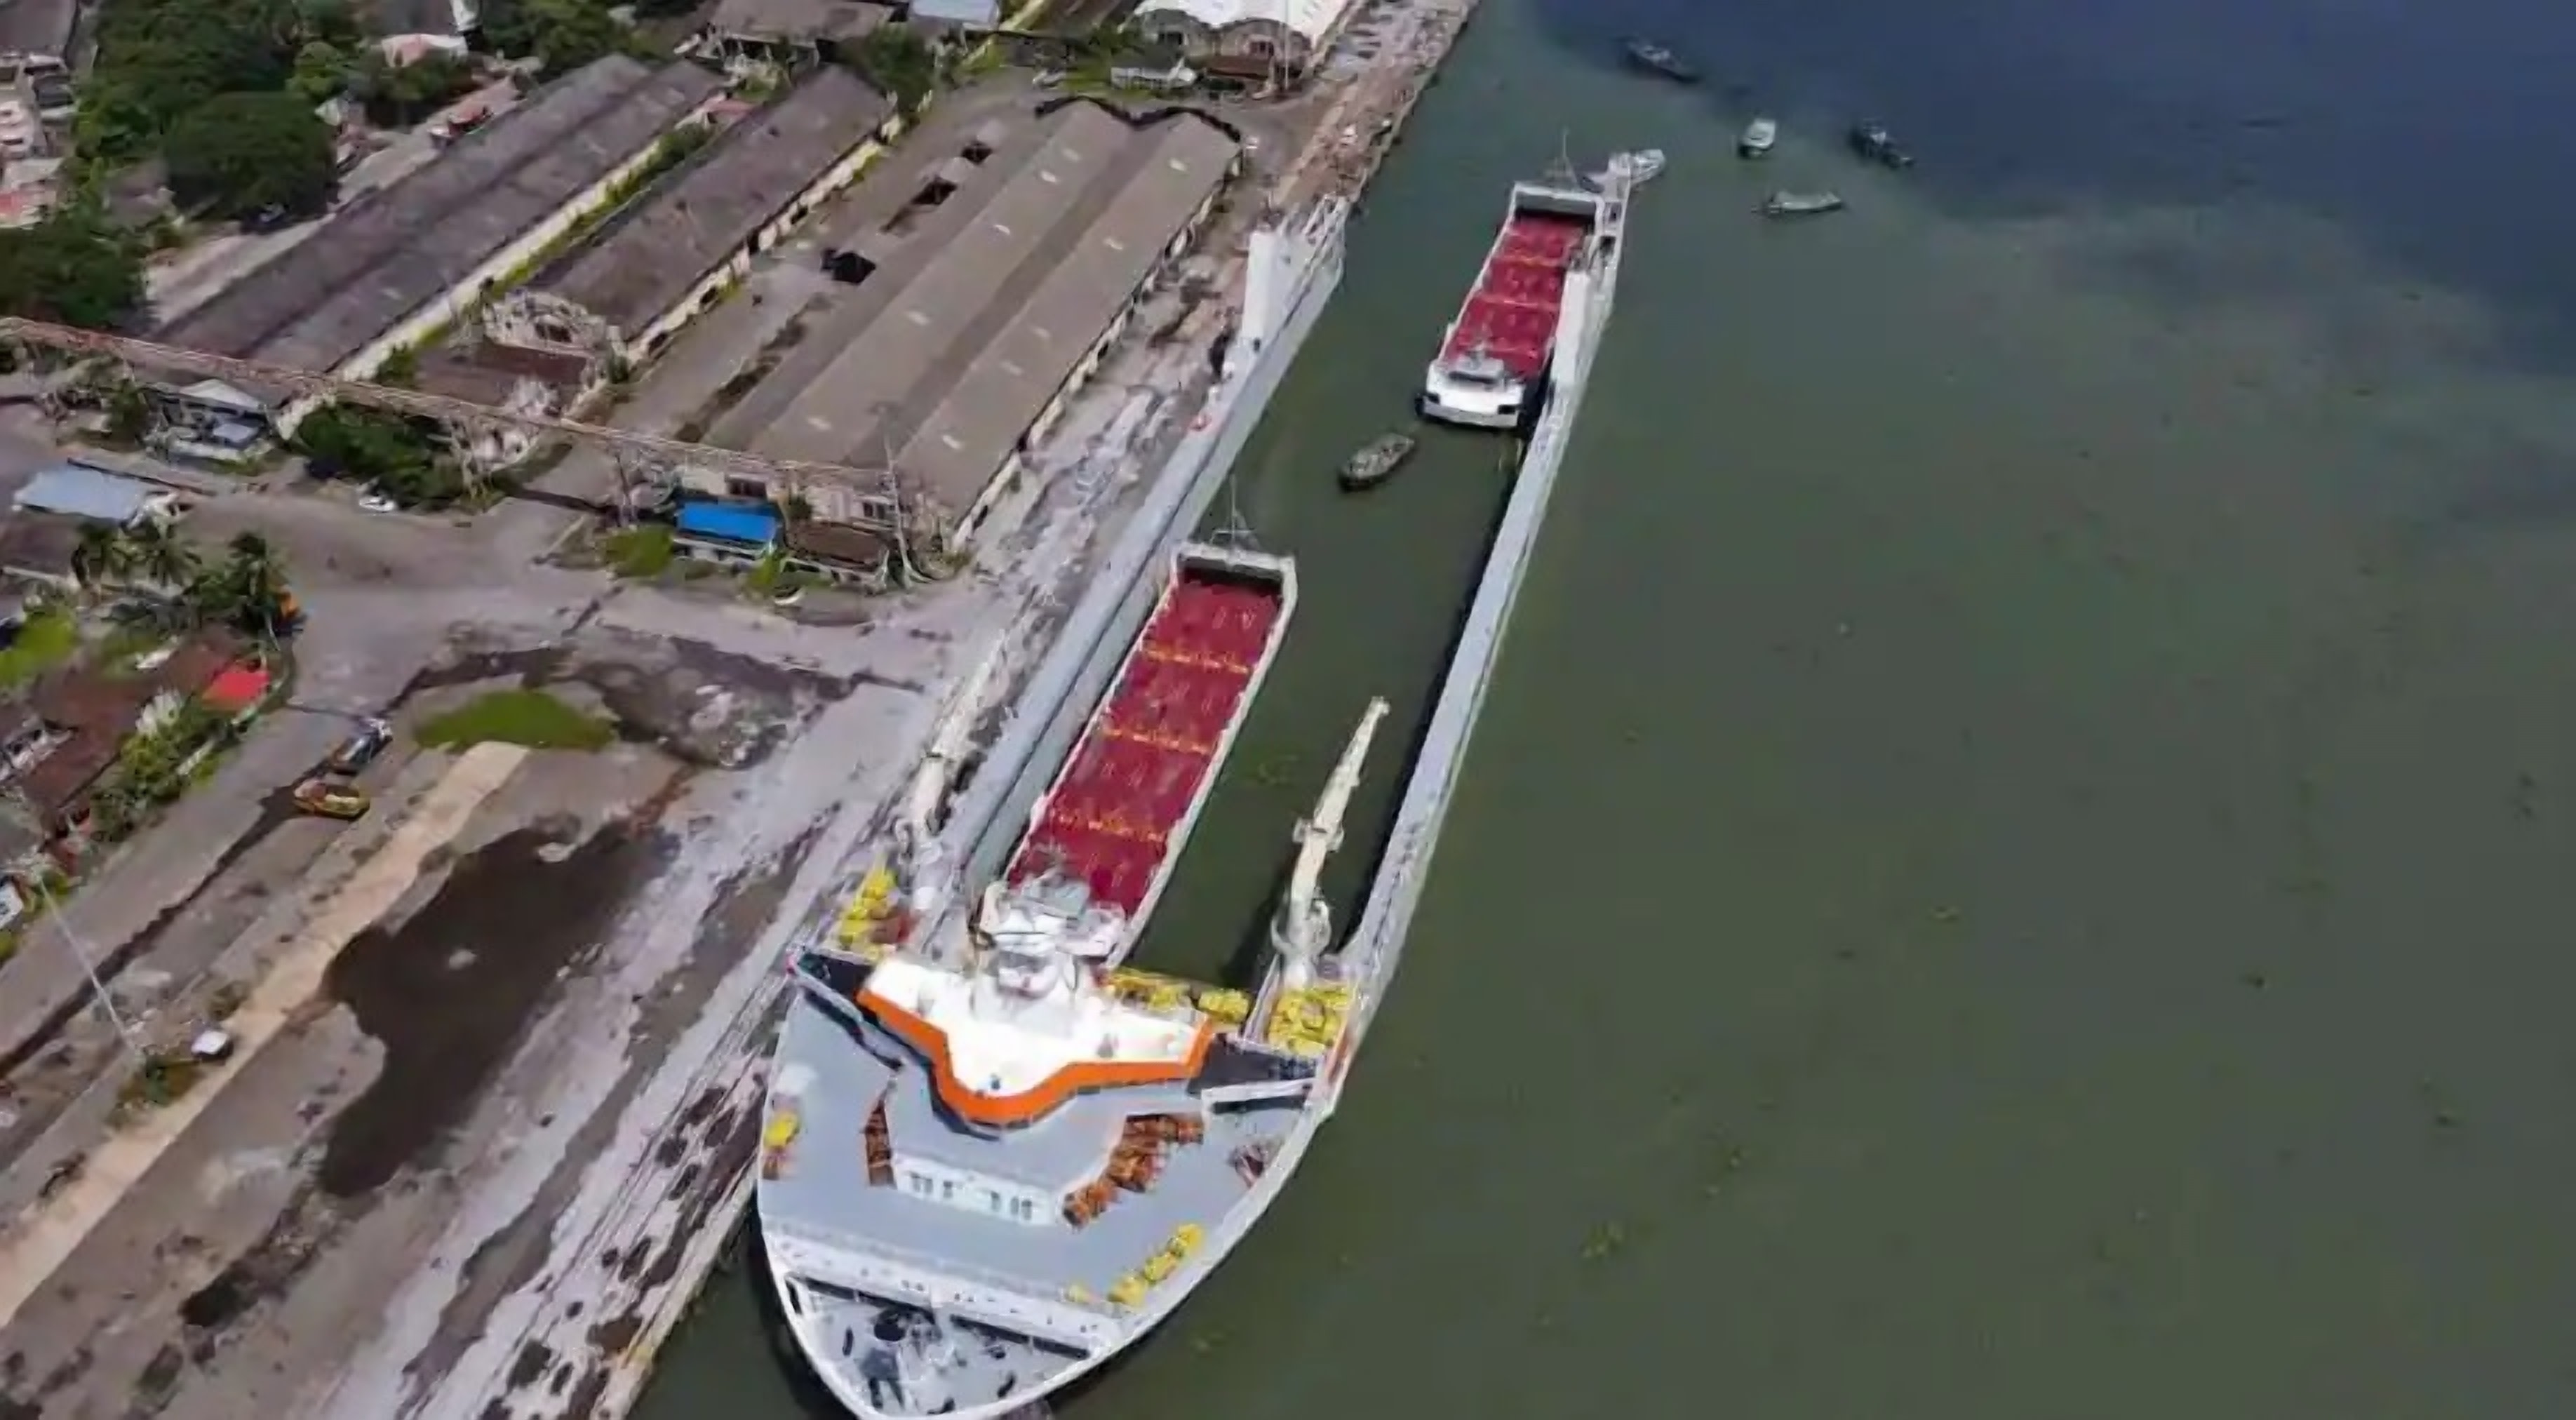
x,y
2023,858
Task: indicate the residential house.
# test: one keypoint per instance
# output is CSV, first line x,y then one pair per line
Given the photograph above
x,y
60,740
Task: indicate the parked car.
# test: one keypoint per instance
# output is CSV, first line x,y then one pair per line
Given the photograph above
x,y
377,501
360,749
325,799
56,100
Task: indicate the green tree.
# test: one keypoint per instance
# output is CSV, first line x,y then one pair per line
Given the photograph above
x,y
161,556
158,59
394,454
330,22
400,95
560,34
903,65
72,268
240,154
249,588
322,72
101,556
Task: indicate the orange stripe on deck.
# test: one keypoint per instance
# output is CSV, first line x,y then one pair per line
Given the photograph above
x,y
1042,1098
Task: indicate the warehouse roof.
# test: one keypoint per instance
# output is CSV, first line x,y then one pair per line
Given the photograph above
x,y
992,298
648,256
802,19
394,250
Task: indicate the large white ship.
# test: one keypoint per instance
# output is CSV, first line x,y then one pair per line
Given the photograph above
x,y
995,1155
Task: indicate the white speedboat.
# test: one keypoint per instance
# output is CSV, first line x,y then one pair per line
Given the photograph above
x,y
1636,168
1758,138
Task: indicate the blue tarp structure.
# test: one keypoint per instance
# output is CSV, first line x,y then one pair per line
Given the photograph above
x,y
76,491
729,522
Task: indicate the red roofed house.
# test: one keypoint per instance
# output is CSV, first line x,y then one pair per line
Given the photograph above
x,y
67,733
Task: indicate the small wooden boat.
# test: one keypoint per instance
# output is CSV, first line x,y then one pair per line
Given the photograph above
x,y
1377,463
1758,138
1656,59
1870,141
1801,204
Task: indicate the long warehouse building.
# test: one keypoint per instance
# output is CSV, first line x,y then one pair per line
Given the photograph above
x,y
670,252
986,301
397,264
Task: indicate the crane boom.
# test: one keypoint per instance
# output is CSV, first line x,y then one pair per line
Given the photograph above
x,y
1305,924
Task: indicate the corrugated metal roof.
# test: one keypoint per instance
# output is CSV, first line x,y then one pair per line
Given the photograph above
x,y
394,250
635,268
77,492
731,522
1088,190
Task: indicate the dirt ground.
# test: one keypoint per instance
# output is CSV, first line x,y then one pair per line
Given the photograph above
x,y
327,1143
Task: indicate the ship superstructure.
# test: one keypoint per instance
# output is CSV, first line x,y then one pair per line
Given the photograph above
x,y
1494,360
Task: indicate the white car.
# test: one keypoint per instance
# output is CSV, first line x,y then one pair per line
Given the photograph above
x,y
373,501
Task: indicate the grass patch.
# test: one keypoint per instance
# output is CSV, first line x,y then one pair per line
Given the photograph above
x,y
531,718
644,551
46,641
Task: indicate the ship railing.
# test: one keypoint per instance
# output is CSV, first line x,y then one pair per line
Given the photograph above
x,y
886,1269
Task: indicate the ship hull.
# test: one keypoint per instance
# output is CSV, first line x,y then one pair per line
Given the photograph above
x,y
1495,355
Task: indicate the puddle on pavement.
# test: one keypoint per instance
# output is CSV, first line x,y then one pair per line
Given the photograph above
x,y
450,992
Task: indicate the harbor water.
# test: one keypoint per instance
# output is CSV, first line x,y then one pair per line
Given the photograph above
x,y
2018,862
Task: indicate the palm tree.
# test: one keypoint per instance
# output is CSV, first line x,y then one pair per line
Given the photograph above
x,y
258,578
161,556
102,556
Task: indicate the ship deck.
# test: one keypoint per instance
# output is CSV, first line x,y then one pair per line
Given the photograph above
x,y
821,1189
1511,314
1156,738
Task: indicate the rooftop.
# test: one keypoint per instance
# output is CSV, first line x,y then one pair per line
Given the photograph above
x,y
1012,1068
983,302
75,491
645,259
37,26
798,19
398,248
1315,19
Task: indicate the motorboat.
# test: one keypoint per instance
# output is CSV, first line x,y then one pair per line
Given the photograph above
x,y
1801,204
1871,142
1636,167
1758,138
1656,59
1377,463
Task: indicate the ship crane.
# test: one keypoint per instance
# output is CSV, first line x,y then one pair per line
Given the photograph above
x,y
1304,926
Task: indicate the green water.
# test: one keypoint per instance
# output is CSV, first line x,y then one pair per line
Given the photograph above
x,y
2018,864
